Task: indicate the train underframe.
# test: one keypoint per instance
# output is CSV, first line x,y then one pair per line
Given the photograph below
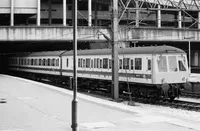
x,y
157,92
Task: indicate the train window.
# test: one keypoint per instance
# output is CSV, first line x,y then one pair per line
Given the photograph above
x,y
138,63
43,62
162,64
79,62
48,62
105,63
110,63
120,63
149,65
40,62
67,62
87,63
101,63
57,62
97,62
172,61
132,64
126,63
31,61
83,63
92,64
182,63
53,62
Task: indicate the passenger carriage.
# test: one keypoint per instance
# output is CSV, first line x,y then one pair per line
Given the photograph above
x,y
162,69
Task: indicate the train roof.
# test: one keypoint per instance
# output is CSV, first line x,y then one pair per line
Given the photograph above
x,y
134,50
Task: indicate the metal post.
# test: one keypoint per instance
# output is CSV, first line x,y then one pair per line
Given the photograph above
x,y
50,11
74,101
11,12
179,19
115,75
199,20
89,12
64,12
189,57
38,12
95,13
159,17
137,17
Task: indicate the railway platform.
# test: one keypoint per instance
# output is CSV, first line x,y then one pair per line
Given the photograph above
x,y
27,105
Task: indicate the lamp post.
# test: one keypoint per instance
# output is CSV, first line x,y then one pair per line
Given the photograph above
x,y
74,101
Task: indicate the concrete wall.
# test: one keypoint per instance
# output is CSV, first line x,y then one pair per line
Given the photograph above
x,y
86,33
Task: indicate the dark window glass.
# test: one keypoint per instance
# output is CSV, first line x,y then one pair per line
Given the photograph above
x,y
87,63
110,63
92,63
120,63
149,64
101,63
126,63
138,63
105,63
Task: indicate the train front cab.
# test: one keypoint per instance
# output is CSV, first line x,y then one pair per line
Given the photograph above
x,y
170,73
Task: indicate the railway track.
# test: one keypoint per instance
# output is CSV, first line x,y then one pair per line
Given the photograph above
x,y
178,104
190,94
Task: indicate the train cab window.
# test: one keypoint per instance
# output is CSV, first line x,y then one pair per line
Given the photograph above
x,y
181,63
105,63
172,61
138,63
132,64
57,62
120,63
149,64
87,63
67,62
101,63
97,62
110,63
162,63
126,63
92,63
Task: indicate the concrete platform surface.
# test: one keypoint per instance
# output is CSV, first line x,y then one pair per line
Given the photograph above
x,y
31,106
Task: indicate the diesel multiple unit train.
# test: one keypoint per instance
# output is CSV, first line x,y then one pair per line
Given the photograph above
x,y
152,71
